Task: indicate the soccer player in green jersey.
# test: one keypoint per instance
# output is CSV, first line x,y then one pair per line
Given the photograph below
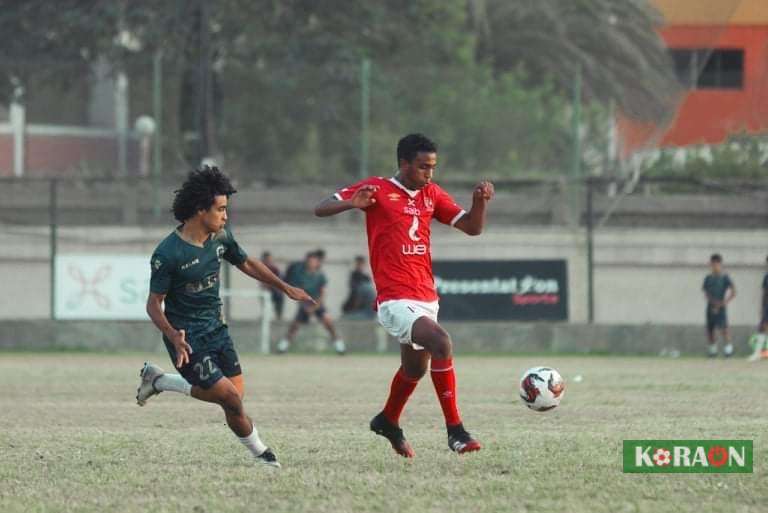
x,y
759,340
185,278
719,291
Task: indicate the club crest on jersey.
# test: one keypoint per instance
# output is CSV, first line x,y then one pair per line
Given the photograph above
x,y
428,204
393,196
220,250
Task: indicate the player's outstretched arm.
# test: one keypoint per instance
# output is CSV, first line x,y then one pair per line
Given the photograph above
x,y
176,337
362,198
256,269
473,222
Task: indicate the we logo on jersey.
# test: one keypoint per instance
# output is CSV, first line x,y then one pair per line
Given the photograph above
x,y
414,249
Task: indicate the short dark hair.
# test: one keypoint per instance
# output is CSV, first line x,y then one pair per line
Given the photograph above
x,y
412,144
266,254
716,257
319,253
360,259
199,191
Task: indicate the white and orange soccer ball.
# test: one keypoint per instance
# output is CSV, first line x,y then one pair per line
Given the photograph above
x,y
541,388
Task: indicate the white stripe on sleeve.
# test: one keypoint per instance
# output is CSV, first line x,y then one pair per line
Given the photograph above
x,y
458,216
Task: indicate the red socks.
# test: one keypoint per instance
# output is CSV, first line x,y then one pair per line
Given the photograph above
x,y
444,379
401,389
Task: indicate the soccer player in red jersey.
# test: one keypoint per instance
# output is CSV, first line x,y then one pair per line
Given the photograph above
x,y
398,212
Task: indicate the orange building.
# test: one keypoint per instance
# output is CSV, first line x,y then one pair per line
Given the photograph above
x,y
720,52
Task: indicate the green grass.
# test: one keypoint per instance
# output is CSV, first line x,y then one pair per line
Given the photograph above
x,y
72,439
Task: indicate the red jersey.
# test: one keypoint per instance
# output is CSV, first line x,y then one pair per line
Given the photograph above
x,y
399,245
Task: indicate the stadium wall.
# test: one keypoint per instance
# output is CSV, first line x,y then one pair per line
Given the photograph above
x,y
642,276
469,337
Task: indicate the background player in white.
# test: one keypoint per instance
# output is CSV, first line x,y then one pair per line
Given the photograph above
x,y
399,211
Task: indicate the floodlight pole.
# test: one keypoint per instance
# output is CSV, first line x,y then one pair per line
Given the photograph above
x,y
576,125
157,108
590,254
53,209
365,115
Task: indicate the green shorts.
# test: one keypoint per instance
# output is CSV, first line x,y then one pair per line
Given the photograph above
x,y
213,357
716,319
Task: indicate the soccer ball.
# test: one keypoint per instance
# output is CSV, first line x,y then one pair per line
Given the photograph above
x,y
541,388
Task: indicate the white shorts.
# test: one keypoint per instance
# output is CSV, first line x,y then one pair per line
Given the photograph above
x,y
398,315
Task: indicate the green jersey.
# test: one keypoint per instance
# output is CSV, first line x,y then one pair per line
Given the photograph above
x,y
716,285
313,283
189,277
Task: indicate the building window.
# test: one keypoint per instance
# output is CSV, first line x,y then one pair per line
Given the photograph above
x,y
703,68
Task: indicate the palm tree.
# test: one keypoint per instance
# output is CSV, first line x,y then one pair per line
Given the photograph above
x,y
613,44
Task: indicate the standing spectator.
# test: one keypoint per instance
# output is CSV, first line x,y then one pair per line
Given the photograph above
x,y
759,340
276,296
362,293
719,291
311,274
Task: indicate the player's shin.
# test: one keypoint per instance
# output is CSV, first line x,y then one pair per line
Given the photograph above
x,y
444,379
173,383
758,343
253,443
400,390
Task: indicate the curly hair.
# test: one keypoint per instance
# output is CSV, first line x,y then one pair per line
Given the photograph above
x,y
410,146
199,191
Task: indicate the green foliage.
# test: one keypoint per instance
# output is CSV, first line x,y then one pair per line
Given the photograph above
x,y
742,156
485,125
491,83
613,44
47,42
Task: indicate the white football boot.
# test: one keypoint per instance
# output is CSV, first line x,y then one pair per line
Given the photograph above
x,y
339,346
268,458
283,346
149,374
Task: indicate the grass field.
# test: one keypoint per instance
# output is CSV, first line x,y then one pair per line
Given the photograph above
x,y
72,438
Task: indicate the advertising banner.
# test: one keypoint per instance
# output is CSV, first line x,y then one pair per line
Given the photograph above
x,y
521,290
103,287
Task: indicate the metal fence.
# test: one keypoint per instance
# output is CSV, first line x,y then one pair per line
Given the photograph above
x,y
42,219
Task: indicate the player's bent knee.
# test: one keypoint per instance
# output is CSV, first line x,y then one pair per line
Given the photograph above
x,y
442,346
415,371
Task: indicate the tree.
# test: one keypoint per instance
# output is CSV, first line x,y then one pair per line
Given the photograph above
x,y
613,44
274,85
53,42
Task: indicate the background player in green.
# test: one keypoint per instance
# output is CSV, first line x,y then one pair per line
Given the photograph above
x,y
309,276
719,291
185,277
